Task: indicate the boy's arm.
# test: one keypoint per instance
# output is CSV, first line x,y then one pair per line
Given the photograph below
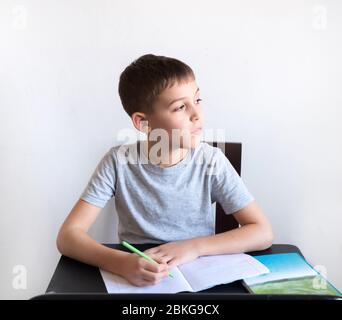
x,y
74,242
254,234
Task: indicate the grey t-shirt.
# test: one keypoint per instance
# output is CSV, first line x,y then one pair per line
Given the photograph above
x,y
162,204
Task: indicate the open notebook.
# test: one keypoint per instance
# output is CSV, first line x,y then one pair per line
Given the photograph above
x,y
200,274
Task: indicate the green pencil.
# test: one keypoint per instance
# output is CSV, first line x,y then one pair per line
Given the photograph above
x,y
141,254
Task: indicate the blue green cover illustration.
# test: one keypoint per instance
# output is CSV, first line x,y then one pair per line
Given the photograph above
x,y
289,274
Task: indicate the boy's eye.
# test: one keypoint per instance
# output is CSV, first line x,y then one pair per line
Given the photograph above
x,y
182,106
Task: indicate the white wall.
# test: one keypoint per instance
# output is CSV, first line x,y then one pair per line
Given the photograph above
x,y
270,73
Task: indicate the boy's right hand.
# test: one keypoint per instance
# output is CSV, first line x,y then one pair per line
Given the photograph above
x,y
141,272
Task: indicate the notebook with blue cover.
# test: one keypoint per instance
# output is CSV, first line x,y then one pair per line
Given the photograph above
x,y
289,273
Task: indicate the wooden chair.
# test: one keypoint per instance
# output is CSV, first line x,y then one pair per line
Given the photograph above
x,y
233,152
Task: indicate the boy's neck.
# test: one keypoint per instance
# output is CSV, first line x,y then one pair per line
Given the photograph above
x,y
161,160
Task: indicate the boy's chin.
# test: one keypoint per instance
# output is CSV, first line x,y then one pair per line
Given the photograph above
x,y
193,144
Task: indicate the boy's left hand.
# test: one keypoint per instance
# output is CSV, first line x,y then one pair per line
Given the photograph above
x,y
174,253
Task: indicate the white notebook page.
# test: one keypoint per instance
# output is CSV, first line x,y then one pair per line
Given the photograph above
x,y
117,284
208,271
200,274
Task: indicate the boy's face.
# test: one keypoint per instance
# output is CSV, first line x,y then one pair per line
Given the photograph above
x,y
177,110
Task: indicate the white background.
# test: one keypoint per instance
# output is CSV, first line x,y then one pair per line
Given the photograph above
x,y
270,73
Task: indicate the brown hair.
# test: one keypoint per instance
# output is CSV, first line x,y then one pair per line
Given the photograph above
x,y
146,77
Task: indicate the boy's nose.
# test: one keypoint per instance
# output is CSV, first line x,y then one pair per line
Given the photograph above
x,y
196,115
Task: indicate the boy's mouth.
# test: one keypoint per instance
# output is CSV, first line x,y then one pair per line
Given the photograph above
x,y
197,131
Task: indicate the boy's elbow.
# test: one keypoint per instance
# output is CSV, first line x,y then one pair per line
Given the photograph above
x,y
60,241
268,238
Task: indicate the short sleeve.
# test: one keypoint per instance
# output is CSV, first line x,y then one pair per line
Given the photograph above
x,y
227,187
101,186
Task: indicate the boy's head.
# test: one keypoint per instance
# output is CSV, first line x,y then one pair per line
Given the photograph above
x,y
162,93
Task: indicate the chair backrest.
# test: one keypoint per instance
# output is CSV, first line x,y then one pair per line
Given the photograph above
x,y
233,152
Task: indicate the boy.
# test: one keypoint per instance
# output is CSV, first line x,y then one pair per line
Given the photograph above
x,y
163,197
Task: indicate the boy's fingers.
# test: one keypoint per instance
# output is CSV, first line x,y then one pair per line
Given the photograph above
x,y
152,250
172,263
156,257
162,260
155,267
152,276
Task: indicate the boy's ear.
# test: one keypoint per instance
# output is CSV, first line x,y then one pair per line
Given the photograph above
x,y
140,122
